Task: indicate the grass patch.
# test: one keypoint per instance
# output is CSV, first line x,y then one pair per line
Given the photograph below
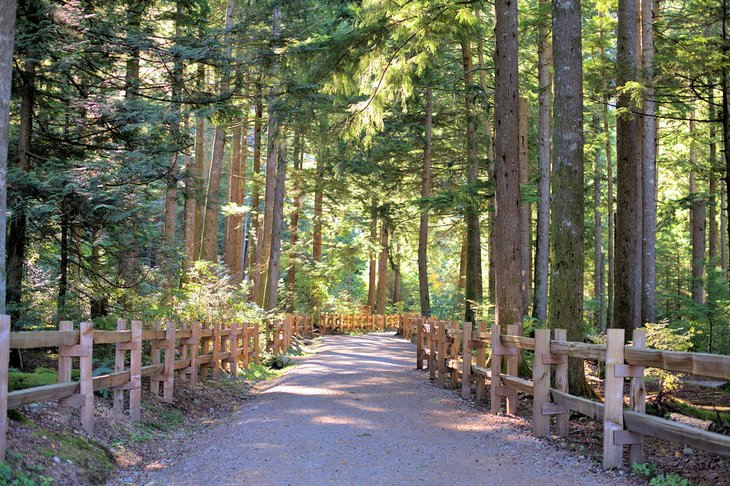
x,y
94,459
257,372
10,476
17,380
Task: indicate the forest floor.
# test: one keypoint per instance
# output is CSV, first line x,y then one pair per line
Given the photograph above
x,y
358,413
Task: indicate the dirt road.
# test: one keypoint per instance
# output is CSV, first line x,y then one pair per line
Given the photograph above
x,y
358,413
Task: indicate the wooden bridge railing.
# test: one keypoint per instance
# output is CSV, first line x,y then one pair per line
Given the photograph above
x,y
358,322
185,353
279,332
454,354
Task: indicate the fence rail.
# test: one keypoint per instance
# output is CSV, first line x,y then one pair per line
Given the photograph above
x,y
453,352
190,352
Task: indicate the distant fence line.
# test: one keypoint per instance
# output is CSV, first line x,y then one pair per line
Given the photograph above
x,y
456,353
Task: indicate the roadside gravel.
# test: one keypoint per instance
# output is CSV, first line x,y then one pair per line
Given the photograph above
x,y
357,412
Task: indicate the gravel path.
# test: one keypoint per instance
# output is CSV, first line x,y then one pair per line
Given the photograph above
x,y
358,413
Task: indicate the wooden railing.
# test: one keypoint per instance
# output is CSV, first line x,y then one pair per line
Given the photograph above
x,y
358,322
191,352
279,332
454,354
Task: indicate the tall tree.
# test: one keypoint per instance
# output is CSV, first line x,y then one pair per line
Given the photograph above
x,y
383,268
212,204
7,38
423,292
507,251
542,248
567,229
628,261
648,165
473,284
277,220
697,222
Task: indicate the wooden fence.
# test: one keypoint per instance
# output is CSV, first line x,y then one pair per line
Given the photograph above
x,y
456,353
191,352
358,322
282,330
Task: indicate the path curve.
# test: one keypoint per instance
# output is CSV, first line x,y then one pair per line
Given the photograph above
x,y
357,412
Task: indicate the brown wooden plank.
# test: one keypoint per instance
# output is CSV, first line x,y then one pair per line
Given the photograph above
x,y
42,339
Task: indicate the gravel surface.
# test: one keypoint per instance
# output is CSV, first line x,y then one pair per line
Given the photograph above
x,y
357,412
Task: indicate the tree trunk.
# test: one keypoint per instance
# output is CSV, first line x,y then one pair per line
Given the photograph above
x,y
525,211
254,248
423,291
18,224
473,284
648,164
233,251
7,37
723,229
396,273
507,254
318,196
277,221
600,316
565,308
697,224
373,261
210,224
462,264
489,142
294,225
714,235
193,184
611,216
542,249
383,269
628,260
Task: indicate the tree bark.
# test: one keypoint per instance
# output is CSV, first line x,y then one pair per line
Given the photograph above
x,y
17,228
396,273
383,269
542,248
714,235
565,308
489,142
473,284
525,211
193,192
628,261
7,38
507,254
277,220
294,225
611,216
233,251
423,291
598,280
254,248
697,224
210,224
648,156
373,261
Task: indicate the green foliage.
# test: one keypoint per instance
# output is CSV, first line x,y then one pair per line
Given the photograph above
x,y
18,380
11,477
649,471
662,336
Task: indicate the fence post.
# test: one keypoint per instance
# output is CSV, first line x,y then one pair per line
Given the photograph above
x,y
169,375
119,355
216,349
561,383
4,365
466,356
432,348
455,345
541,381
637,394
481,361
613,411
257,344
135,372
204,349
86,385
194,348
246,336
155,356
513,364
419,344
494,395
184,351
441,354
64,362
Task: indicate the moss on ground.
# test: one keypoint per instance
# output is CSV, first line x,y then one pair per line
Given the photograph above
x,y
96,461
17,380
